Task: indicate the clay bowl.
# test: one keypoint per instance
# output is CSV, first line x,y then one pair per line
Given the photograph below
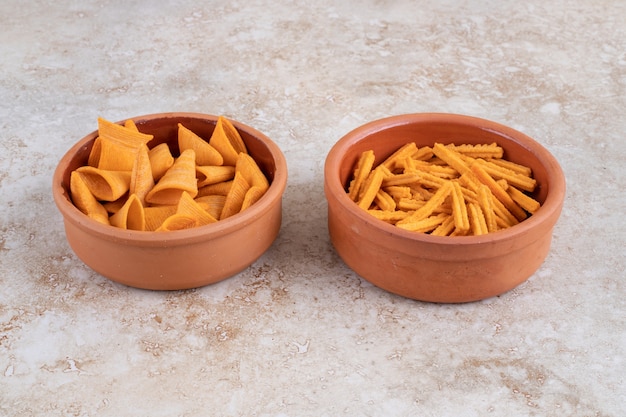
x,y
440,268
179,259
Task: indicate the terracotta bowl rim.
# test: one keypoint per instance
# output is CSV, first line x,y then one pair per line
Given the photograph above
x,y
548,212
180,237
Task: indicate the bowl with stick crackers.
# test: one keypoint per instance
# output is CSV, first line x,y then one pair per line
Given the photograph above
x,y
171,201
442,207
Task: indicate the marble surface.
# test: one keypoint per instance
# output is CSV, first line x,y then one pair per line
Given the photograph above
x,y
298,333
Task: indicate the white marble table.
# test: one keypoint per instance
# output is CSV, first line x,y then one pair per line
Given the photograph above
x,y
298,333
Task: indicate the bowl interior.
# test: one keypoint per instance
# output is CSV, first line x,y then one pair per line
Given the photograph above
x,y
384,139
164,128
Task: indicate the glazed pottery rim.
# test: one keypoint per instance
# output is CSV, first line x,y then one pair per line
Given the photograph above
x,y
546,213
179,237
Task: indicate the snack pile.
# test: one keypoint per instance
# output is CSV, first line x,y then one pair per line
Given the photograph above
x,y
128,185
445,190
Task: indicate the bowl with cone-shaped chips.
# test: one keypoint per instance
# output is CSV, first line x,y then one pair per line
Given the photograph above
x,y
181,257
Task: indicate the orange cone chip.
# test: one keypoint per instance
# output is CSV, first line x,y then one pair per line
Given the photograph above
x,y
207,175
213,204
155,216
126,136
177,222
227,141
161,160
103,184
222,188
94,154
115,206
253,195
189,207
233,135
235,197
130,124
251,172
85,201
113,156
131,216
179,178
117,145
205,153
141,181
